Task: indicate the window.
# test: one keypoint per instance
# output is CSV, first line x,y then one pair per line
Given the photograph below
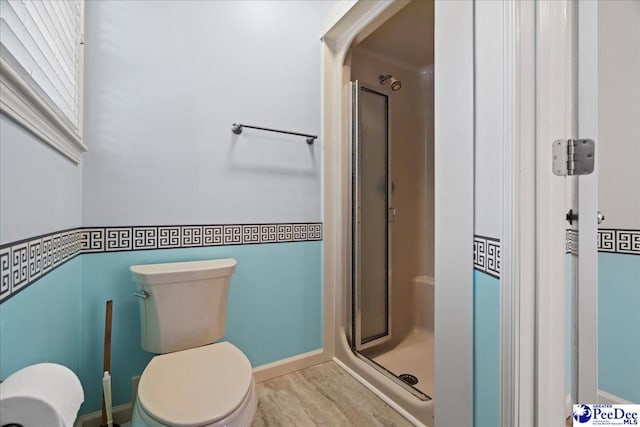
x,y
41,60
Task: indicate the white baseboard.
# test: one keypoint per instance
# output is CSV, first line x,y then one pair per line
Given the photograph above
x,y
289,365
121,415
380,394
611,399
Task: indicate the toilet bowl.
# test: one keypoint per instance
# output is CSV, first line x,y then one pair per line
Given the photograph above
x,y
202,387
193,381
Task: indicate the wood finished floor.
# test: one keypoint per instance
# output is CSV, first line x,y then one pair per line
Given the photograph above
x,y
323,395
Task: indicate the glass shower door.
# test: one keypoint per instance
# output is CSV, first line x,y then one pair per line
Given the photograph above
x,y
371,190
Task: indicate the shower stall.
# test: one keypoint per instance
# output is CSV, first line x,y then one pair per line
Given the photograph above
x,y
383,199
392,287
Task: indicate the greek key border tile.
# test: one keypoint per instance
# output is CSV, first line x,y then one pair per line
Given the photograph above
x,y
191,236
250,234
620,241
314,231
112,239
486,255
5,272
611,240
606,240
25,261
19,266
145,238
572,242
269,233
118,239
92,239
232,234
212,235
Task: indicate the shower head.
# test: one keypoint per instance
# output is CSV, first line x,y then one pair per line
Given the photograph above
x,y
395,83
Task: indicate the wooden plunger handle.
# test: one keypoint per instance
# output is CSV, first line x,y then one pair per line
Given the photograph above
x,y
107,354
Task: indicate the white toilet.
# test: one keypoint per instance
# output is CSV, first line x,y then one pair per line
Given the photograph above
x,y
192,382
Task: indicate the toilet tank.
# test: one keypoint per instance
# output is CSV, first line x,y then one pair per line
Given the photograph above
x,y
182,304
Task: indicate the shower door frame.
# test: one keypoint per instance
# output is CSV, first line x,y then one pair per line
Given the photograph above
x,y
356,295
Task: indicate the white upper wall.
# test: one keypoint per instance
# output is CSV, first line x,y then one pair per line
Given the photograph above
x,y
40,190
165,81
489,118
619,113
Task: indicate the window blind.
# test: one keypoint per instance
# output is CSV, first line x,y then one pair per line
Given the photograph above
x,y
41,40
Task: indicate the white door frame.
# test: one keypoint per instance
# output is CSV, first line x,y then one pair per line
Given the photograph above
x,y
518,261
554,120
539,108
454,144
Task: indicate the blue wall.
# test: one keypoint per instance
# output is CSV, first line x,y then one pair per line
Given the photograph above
x,y
42,323
486,350
619,325
275,311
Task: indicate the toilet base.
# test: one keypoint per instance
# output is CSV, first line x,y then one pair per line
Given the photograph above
x,y
241,417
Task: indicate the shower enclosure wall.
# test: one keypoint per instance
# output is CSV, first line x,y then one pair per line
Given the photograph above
x,y
393,216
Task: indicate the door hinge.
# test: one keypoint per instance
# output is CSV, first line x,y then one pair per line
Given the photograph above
x,y
573,156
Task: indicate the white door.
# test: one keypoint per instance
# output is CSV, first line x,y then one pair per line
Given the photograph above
x,y
566,209
608,291
587,86
585,277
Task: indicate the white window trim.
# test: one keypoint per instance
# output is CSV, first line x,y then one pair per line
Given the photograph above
x,y
23,104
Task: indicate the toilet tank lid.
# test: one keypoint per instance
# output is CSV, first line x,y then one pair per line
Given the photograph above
x,y
182,271
195,387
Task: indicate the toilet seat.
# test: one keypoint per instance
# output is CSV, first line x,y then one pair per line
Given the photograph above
x,y
198,387
241,417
